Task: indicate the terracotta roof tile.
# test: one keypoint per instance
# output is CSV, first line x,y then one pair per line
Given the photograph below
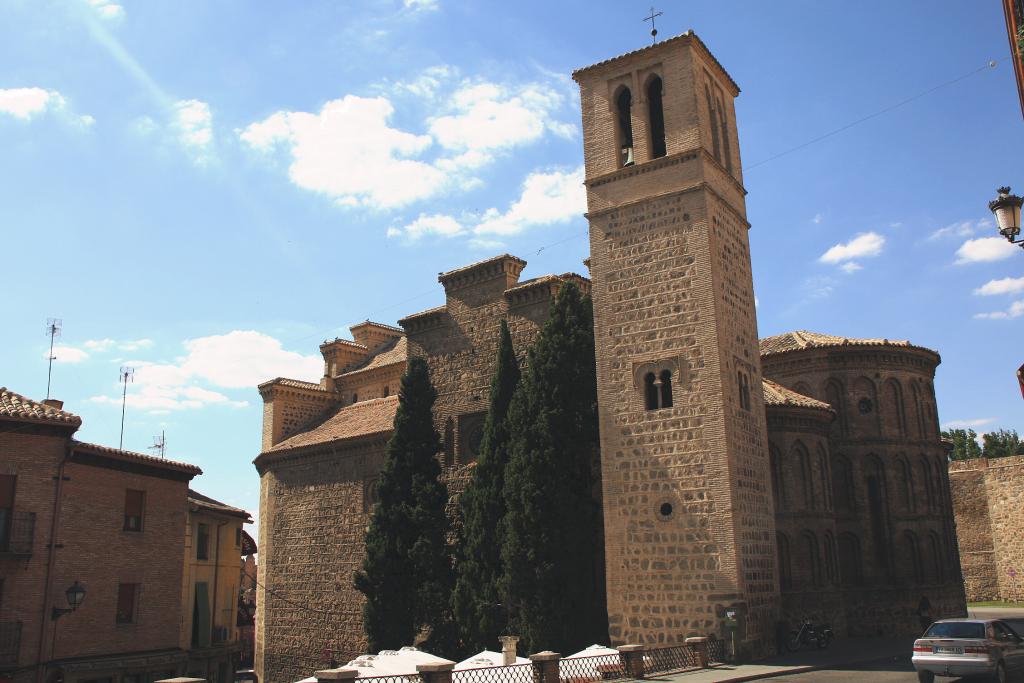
x,y
294,383
14,406
802,339
376,416
207,503
393,353
778,395
131,456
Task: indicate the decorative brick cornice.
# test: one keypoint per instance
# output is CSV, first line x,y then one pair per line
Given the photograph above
x,y
640,169
425,320
330,450
290,388
506,266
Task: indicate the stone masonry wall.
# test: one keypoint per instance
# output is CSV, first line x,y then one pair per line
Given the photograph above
x,y
988,499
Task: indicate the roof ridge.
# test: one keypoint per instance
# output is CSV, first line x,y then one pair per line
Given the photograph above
x,y
15,406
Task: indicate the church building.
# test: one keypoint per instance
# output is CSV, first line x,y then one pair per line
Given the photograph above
x,y
772,479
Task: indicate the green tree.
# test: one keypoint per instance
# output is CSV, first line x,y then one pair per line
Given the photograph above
x,y
965,444
406,575
1001,443
552,547
475,601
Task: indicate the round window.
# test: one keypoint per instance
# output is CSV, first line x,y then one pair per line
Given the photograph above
x,y
665,511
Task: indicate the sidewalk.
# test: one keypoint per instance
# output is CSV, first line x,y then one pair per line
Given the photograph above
x,y
841,653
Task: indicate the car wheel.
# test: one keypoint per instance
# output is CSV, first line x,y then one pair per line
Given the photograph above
x,y
1000,675
925,676
793,642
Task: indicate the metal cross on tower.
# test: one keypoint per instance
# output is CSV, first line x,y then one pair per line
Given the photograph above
x,y
654,31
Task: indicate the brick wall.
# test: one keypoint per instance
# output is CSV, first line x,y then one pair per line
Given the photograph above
x,y
988,498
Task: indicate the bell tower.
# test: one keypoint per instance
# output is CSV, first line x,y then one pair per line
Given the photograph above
x,y
689,530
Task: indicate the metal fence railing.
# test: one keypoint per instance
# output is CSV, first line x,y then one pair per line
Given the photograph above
x,y
405,678
716,651
514,673
673,658
586,669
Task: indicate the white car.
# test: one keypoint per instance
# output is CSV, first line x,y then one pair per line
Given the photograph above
x,y
968,647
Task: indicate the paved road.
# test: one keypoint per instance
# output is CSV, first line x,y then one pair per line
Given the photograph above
x,y
900,671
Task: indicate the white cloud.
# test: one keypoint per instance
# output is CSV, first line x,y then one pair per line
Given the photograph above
x,y
818,218
968,424
24,103
437,224
984,249
488,117
485,244
863,245
102,345
547,198
1015,310
107,9
67,354
349,152
851,267
193,124
427,84
238,359
420,5
1006,285
960,229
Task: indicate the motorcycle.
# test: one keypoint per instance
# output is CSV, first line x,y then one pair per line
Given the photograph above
x,y
808,634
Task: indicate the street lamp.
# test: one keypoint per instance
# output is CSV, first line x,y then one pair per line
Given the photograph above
x,y
1006,208
75,595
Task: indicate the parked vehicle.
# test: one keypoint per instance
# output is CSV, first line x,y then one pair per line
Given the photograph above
x,y
809,635
968,647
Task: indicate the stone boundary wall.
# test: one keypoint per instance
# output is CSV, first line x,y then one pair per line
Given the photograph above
x,y
988,503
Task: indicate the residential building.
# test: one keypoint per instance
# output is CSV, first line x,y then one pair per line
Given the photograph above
x,y
214,541
105,524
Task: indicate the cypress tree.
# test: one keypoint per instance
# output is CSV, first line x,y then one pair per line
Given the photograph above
x,y
475,601
553,537
406,574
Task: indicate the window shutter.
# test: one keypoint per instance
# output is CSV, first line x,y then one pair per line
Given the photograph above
x,y
126,603
133,501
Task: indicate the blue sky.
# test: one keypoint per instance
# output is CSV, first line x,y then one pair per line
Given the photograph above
x,y
205,190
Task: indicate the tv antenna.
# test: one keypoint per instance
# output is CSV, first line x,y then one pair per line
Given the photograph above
x,y
160,444
53,327
126,375
654,31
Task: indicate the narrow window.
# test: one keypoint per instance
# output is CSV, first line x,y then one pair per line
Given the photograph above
x,y
650,392
355,397
725,135
850,570
7,482
914,551
126,594
134,505
624,104
806,483
830,558
813,561
713,115
387,391
785,566
778,482
935,545
238,537
744,388
202,542
201,623
876,504
666,388
929,489
826,490
657,118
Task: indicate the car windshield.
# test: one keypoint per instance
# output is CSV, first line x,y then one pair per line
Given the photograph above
x,y
956,629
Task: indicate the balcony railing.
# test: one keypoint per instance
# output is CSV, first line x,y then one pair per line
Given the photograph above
x,y
10,640
18,537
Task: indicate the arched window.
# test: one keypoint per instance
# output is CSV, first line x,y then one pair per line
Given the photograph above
x,y
656,118
906,474
813,561
929,486
876,505
915,395
843,477
831,571
743,384
624,106
799,454
650,392
913,551
896,416
834,397
850,571
865,411
725,135
778,480
823,475
666,388
785,566
935,547
713,115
